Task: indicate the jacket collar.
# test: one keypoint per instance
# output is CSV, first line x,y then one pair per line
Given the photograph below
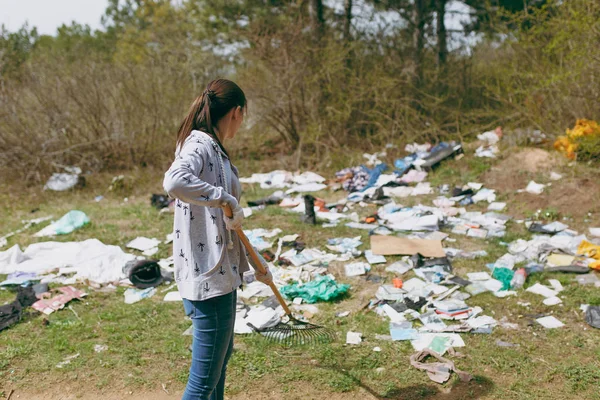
x,y
212,141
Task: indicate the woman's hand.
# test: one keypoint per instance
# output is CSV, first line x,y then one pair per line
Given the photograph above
x,y
267,277
235,222
230,204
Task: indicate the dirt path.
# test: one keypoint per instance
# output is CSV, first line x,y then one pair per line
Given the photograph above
x,y
264,390
161,395
95,396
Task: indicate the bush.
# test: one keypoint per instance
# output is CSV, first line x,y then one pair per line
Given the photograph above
x,y
114,99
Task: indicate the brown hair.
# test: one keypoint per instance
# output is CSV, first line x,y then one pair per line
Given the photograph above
x,y
220,96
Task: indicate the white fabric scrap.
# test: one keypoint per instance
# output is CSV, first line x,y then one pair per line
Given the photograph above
x,y
535,188
63,181
173,296
556,285
90,259
373,258
555,176
306,188
550,322
542,290
308,177
134,295
353,337
493,285
356,269
496,206
482,321
259,316
255,289
399,267
478,276
143,243
552,301
488,195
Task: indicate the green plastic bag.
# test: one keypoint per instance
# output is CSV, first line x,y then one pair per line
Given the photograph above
x,y
323,288
70,221
504,275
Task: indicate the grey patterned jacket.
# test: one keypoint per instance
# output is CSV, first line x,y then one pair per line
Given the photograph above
x,y
209,260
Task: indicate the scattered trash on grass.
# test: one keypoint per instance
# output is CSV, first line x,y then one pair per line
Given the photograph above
x,y
135,295
353,337
571,143
149,247
71,221
323,288
390,245
438,372
501,343
143,274
356,269
48,306
67,360
592,316
549,322
90,260
64,181
99,348
490,147
173,296
535,188
11,313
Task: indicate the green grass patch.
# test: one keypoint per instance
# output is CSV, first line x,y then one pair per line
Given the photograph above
x,y
146,346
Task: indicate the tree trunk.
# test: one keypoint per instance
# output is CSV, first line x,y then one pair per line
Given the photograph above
x,y
318,21
348,20
418,21
442,41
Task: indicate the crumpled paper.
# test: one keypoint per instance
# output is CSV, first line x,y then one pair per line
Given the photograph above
x,y
438,372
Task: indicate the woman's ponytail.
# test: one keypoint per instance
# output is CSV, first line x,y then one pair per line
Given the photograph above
x,y
218,99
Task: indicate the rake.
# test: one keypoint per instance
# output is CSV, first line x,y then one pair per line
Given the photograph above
x,y
290,331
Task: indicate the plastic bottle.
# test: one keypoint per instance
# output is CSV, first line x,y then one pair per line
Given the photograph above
x,y
518,279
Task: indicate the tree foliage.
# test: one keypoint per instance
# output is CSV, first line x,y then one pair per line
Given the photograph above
x,y
321,76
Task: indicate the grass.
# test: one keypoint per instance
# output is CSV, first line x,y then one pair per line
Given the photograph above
x,y
146,347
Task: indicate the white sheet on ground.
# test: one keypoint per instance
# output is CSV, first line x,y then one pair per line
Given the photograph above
x,y
90,259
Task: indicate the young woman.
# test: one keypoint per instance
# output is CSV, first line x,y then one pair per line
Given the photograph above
x,y
209,258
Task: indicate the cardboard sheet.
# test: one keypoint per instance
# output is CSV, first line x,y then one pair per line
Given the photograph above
x,y
390,245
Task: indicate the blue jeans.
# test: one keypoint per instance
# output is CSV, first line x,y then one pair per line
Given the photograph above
x,y
213,322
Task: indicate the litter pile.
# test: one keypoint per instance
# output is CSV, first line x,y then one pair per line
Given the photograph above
x,y
490,147
426,302
431,309
102,267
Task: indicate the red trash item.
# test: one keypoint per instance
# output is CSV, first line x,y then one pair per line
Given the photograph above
x,y
48,306
397,283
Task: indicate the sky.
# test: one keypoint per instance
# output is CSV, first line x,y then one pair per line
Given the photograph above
x,y
48,15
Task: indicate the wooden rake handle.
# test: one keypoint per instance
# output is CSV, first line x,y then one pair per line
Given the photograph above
x,y
256,259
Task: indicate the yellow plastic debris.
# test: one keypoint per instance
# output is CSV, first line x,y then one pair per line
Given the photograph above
x,y
568,144
590,250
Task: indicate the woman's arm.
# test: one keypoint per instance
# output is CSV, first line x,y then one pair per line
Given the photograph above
x,y
182,179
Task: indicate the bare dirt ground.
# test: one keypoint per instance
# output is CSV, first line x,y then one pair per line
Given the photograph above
x,y
267,391
575,195
521,166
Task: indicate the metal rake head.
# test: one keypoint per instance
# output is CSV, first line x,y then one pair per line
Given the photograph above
x,y
296,332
